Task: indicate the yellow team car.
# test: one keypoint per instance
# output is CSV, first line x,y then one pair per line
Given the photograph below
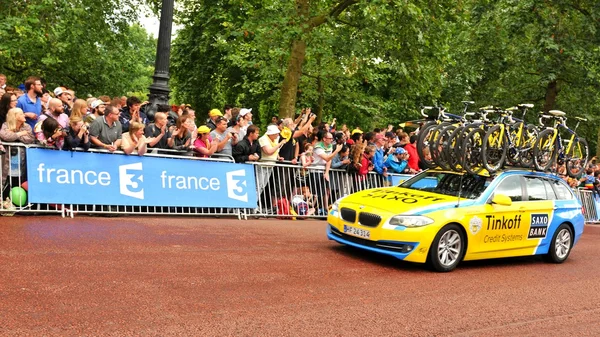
x,y
442,218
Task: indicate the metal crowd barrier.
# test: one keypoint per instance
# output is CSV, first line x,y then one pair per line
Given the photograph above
x,y
589,201
290,191
284,190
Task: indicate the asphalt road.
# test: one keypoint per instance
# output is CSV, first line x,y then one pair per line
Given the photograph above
x,y
222,277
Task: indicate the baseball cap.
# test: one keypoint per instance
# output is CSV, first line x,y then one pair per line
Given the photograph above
x,y
244,111
215,113
58,91
355,131
97,103
272,130
203,129
400,150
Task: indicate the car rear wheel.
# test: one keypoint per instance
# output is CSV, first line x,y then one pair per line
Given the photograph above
x,y
561,244
447,249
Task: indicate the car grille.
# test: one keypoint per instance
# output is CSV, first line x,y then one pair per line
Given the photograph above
x,y
369,219
384,245
348,215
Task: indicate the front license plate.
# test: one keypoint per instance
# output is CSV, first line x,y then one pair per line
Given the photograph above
x,y
362,233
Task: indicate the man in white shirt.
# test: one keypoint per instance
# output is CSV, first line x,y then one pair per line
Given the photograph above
x,y
322,156
269,145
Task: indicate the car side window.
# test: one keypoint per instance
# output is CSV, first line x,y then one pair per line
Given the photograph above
x,y
535,189
562,191
549,190
511,187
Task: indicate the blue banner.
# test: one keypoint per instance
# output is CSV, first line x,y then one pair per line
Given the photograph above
x,y
61,177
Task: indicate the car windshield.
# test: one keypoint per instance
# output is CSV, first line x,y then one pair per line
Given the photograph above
x,y
449,183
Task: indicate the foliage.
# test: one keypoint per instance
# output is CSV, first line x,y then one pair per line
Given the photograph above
x,y
376,61
545,53
86,45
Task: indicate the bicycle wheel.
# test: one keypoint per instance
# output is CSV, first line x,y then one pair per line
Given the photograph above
x,y
442,134
544,151
426,136
460,141
576,158
452,150
493,149
512,152
472,148
527,145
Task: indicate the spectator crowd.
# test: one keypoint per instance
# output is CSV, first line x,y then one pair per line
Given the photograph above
x,y
60,120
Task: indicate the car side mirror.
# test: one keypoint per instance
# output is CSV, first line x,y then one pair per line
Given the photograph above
x,y
501,199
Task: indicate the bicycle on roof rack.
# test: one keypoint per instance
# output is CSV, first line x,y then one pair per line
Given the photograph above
x,y
443,139
551,149
435,116
509,141
474,142
474,135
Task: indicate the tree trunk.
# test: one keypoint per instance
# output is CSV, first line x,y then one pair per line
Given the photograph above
x,y
289,88
551,93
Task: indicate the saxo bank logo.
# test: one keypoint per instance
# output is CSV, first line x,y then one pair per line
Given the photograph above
x,y
234,190
130,180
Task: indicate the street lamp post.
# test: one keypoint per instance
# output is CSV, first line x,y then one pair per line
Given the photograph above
x,y
159,90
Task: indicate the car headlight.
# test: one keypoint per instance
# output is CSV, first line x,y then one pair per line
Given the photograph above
x,y
410,220
336,204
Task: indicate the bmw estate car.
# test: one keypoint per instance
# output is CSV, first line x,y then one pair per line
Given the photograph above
x,y
442,218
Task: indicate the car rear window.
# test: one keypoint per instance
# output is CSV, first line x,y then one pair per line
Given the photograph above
x,y
562,191
535,189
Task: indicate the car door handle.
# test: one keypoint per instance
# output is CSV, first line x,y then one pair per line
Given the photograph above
x,y
522,209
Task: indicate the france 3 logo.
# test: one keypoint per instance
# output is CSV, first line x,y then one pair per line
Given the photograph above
x,y
130,180
237,187
539,226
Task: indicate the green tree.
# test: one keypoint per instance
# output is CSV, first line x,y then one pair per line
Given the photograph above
x,y
365,65
83,44
511,52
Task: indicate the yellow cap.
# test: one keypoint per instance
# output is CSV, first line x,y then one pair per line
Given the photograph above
x,y
203,129
355,131
214,113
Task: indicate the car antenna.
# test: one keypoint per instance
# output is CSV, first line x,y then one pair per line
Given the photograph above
x,y
459,191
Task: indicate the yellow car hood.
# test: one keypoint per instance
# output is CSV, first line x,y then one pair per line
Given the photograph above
x,y
400,200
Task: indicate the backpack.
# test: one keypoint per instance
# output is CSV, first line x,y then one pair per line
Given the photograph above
x,y
301,208
283,207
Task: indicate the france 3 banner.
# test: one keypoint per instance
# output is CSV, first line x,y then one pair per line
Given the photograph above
x,y
63,177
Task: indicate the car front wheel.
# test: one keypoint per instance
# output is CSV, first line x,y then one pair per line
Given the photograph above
x,y
561,244
447,249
